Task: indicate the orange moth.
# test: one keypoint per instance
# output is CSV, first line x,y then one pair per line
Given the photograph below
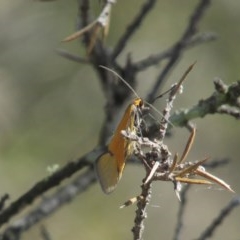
x,y
110,165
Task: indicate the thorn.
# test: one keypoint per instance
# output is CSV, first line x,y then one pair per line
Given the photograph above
x,y
153,170
177,189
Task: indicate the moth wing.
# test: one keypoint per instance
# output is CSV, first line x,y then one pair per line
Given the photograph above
x,y
107,172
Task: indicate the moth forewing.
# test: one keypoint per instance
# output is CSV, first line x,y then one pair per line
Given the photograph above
x,y
107,172
110,165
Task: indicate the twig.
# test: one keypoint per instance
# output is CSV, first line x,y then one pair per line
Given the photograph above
x,y
83,17
45,233
223,96
156,58
141,212
47,183
165,154
149,4
3,200
210,105
179,46
72,57
183,193
50,205
216,163
218,221
183,203
234,112
166,112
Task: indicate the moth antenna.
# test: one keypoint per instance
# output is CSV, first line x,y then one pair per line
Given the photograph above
x,y
157,111
135,93
124,81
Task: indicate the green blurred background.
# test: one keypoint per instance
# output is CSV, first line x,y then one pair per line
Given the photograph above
x,y
51,111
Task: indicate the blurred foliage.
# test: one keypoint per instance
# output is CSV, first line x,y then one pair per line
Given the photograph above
x,y
51,111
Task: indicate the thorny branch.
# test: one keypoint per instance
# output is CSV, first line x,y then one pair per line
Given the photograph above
x,y
160,166
138,228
